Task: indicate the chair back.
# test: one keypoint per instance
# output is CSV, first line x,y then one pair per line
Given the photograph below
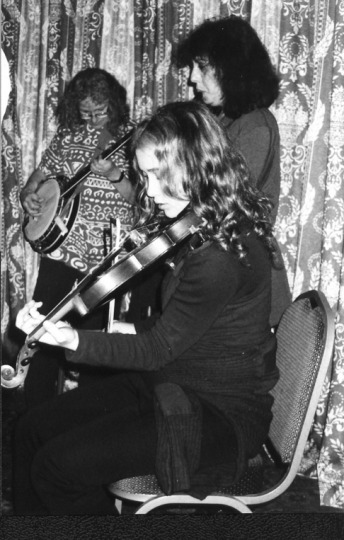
x,y
305,338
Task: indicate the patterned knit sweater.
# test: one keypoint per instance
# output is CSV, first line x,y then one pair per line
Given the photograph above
x,y
68,153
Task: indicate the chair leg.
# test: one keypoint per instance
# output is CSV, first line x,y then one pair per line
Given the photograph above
x,y
219,500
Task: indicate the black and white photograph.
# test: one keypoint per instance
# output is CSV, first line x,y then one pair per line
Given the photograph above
x,y
172,265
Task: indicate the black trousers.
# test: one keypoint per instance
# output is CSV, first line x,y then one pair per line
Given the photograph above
x,y
68,449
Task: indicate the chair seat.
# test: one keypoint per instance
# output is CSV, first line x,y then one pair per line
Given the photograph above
x,y
137,488
142,488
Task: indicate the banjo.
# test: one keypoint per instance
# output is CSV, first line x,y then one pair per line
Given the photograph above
x,y
61,197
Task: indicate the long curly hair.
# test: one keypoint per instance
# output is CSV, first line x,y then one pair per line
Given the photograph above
x,y
193,148
242,64
100,86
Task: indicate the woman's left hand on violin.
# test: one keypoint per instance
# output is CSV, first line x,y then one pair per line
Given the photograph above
x,y
57,334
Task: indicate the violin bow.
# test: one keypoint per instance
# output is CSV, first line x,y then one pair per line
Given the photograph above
x,y
112,303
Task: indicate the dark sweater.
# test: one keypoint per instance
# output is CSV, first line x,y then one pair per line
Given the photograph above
x,y
256,136
213,339
213,307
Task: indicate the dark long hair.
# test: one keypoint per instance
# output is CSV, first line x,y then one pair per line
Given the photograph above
x,y
241,62
100,86
193,148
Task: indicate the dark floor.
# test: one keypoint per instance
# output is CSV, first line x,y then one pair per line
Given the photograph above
x,y
301,497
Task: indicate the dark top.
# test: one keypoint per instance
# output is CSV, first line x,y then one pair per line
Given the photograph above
x,y
212,306
256,135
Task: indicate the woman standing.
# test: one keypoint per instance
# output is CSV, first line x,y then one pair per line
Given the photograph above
x,y
232,73
196,385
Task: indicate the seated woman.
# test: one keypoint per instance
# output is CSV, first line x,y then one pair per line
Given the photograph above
x,y
193,404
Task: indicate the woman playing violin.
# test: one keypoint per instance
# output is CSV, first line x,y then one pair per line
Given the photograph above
x,y
193,404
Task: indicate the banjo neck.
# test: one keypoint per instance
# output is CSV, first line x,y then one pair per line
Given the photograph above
x,y
85,171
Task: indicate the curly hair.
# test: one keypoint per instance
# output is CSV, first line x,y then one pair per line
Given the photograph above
x,y
100,86
241,62
193,147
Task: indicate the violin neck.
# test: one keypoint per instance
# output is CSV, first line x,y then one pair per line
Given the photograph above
x,y
72,300
98,285
64,307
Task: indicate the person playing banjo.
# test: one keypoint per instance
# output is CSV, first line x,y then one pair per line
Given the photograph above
x,y
92,116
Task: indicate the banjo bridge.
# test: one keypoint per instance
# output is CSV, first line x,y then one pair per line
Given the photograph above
x,y
58,221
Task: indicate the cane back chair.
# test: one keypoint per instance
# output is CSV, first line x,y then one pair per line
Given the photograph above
x,y
305,338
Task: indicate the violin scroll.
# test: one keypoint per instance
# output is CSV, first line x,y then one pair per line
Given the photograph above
x,y
12,378
9,378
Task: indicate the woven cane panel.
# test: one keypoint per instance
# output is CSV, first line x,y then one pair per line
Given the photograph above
x,y
148,485
250,482
299,348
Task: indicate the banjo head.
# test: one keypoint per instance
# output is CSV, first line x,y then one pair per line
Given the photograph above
x,y
36,227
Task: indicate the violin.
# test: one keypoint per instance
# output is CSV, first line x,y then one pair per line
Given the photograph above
x,y
99,285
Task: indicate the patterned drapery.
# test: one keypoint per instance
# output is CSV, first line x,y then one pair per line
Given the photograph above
x,y
47,43
310,225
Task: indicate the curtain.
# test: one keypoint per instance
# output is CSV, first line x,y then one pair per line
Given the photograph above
x,y
310,225
47,43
